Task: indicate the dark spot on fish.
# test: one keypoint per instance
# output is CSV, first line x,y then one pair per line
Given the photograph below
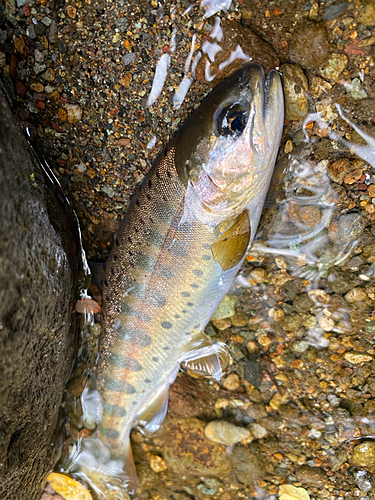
x,y
155,359
112,271
107,297
136,229
165,152
177,316
117,242
147,380
169,174
144,261
166,348
137,202
114,410
130,240
127,310
194,285
148,196
165,198
154,237
119,386
178,249
167,325
149,183
190,304
111,433
152,220
197,272
146,318
115,256
106,282
133,336
135,402
158,175
125,362
130,253
206,246
185,294
142,221
206,257
164,271
184,311
157,300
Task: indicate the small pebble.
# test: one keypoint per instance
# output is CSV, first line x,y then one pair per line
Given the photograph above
x,y
226,308
225,433
335,65
364,454
157,464
222,324
257,431
357,358
74,113
259,275
232,382
356,295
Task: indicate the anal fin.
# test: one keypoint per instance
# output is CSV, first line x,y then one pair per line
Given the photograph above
x,y
155,413
203,358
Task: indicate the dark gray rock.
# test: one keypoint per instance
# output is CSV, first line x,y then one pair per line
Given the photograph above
x,y
38,279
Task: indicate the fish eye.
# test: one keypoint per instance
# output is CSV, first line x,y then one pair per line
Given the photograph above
x,y
231,121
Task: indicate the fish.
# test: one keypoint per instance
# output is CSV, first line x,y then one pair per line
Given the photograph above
x,y
181,243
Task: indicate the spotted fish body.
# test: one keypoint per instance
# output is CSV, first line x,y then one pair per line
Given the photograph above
x,y
173,259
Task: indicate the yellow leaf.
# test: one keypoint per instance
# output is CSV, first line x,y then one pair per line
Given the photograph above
x,y
68,488
289,492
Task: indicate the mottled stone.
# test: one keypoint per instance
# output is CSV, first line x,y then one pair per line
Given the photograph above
x,y
157,464
357,357
350,226
258,431
232,382
338,170
226,308
225,433
334,66
309,46
356,295
366,14
74,112
311,476
248,464
187,449
295,91
364,454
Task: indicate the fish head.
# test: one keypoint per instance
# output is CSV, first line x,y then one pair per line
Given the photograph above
x,y
227,149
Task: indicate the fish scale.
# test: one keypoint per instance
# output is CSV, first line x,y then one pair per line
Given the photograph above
x,y
179,247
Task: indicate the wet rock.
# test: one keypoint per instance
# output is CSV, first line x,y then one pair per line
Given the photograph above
x,y
309,46
225,433
334,66
295,91
74,113
226,308
311,476
248,464
190,397
318,86
38,269
356,295
338,170
350,226
357,357
236,36
187,449
366,14
232,382
364,454
157,464
258,431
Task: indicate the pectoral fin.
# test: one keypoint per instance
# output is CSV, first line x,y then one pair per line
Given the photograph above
x,y
231,246
202,358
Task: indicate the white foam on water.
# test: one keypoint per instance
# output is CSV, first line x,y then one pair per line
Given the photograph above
x,y
235,54
159,79
214,6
